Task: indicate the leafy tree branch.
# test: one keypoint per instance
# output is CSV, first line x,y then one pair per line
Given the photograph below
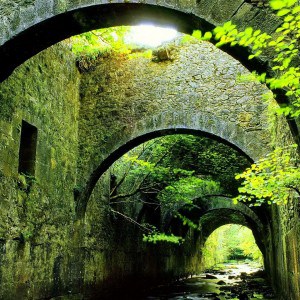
x,y
272,179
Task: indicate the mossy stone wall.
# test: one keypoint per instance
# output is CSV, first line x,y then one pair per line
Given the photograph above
x,y
44,250
283,223
198,87
36,214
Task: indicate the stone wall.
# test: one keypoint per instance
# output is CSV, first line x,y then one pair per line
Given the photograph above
x,y
37,211
45,251
283,250
198,88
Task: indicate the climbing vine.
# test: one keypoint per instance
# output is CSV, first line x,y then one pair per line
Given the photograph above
x,y
272,179
284,45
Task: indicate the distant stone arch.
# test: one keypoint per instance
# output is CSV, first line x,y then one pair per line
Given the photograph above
x,y
168,123
238,213
226,203
221,215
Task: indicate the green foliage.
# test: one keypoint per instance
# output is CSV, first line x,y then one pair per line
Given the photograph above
x,y
271,179
100,41
204,158
187,221
185,190
156,237
90,46
284,45
170,173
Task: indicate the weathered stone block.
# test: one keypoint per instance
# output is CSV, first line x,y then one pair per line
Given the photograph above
x,y
28,16
44,9
60,6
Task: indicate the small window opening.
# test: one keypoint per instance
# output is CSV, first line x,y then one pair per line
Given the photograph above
x,y
27,153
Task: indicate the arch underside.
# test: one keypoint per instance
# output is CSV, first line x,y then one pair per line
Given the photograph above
x,y
215,218
35,27
212,213
31,27
45,25
175,123
223,207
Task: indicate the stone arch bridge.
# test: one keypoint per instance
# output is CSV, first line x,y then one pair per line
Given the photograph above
x,y
86,121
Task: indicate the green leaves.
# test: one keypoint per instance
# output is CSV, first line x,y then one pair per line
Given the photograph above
x,y
284,45
272,179
170,174
276,5
185,190
279,4
156,237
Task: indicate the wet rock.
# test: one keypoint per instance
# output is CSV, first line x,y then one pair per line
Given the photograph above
x,y
259,274
213,296
231,277
243,296
225,288
221,282
209,276
222,272
269,295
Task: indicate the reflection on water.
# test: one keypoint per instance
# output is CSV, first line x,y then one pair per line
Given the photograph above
x,y
235,281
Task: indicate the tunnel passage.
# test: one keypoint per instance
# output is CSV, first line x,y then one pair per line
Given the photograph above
x,y
185,259
208,223
205,95
232,244
70,270
217,217
145,205
211,213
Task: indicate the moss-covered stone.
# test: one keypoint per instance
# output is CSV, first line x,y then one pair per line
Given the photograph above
x,y
36,214
45,251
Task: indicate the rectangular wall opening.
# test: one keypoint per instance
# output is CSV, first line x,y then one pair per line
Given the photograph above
x,y
27,153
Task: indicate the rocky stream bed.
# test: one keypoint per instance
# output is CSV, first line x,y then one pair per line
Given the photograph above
x,y
232,281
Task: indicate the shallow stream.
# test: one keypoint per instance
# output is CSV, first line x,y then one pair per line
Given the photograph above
x,y
233,281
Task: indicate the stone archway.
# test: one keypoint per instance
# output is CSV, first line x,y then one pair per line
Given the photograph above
x,y
141,99
222,215
32,26
213,211
173,123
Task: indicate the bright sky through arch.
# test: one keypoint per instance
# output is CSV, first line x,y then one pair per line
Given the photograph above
x,y
150,35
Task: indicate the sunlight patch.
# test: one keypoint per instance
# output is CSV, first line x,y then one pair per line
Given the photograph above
x,y
150,36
